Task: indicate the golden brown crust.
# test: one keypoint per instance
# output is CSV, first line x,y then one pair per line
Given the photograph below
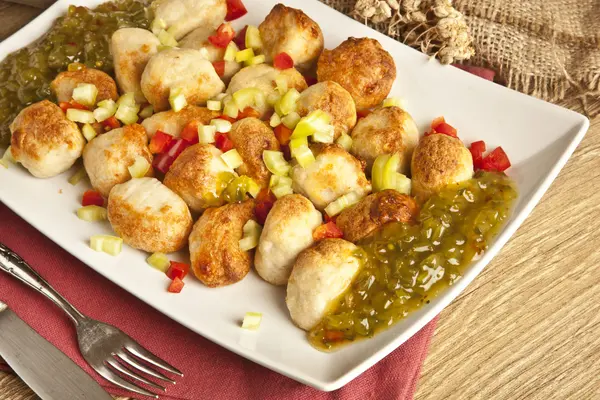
x,y
39,127
374,211
250,137
107,88
439,160
217,259
362,67
330,97
172,122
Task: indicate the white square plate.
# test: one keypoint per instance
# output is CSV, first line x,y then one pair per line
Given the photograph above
x,y
539,138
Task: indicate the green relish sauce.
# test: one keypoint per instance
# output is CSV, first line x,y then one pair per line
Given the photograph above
x,y
81,36
404,266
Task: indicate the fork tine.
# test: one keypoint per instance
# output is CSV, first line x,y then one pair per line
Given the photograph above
x,y
145,355
132,362
125,371
122,383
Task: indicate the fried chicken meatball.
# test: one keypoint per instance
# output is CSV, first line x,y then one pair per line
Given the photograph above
x,y
330,97
374,211
44,141
289,30
131,49
198,39
195,176
362,67
217,259
386,130
438,161
262,76
319,276
149,216
184,69
183,16
250,137
288,230
108,156
334,173
62,86
172,122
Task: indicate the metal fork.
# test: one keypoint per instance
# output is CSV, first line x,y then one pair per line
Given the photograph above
x,y
109,351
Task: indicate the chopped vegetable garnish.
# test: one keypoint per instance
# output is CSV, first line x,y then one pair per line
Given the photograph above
x,y
127,109
281,190
128,99
287,103
345,141
316,121
108,244
77,176
281,84
328,230
92,213
248,112
260,59
230,108
176,286
92,197
439,125
403,183
325,135
177,146
252,321
275,162
177,270
221,125
252,187
140,167
88,132
249,97
296,143
497,160
214,105
102,114
282,133
85,93
362,113
219,67
158,24
394,102
159,142
231,51
303,155
83,116
232,158
160,261
253,39
384,172
477,149
147,111
190,132
264,203
342,202
166,39
223,143
244,55
283,61
162,162
275,121
240,39
206,133
111,123
291,120
235,10
72,104
223,37
252,231
177,99
280,180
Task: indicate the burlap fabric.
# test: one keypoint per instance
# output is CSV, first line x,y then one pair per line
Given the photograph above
x,y
545,48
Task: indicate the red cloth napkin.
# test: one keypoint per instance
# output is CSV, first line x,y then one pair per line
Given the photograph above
x,y
210,371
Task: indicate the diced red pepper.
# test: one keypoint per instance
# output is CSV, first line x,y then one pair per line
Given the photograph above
x,y
362,113
190,132
223,143
264,203
328,218
176,286
162,162
477,149
497,160
178,270
64,105
248,112
240,38
159,142
327,230
92,198
224,35
111,123
176,147
227,118
310,80
235,10
219,67
333,336
283,61
283,134
439,125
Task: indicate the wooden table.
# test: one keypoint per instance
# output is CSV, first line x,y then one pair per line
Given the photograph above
x,y
529,326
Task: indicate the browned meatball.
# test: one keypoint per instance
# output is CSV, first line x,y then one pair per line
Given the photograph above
x,y
374,211
251,137
362,67
64,83
217,259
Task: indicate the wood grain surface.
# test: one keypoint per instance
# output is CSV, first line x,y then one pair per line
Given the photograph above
x,y
529,326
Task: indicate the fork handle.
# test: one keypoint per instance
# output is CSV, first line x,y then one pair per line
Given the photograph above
x,y
13,264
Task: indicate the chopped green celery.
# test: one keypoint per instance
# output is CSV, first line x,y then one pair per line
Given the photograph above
x,y
253,39
253,187
316,121
77,176
166,39
92,213
85,93
220,97
214,105
324,135
252,228
158,25
162,47
221,125
345,141
252,321
394,102
304,156
82,116
230,108
102,114
232,158
298,142
244,55
260,59
206,133
177,99
280,180
275,120
273,98
403,183
377,172
7,158
88,132
291,120
287,103
128,99
275,162
248,97
248,242
281,190
139,168
342,202
160,261
147,112
281,83
108,244
389,172
231,51
109,105
127,114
